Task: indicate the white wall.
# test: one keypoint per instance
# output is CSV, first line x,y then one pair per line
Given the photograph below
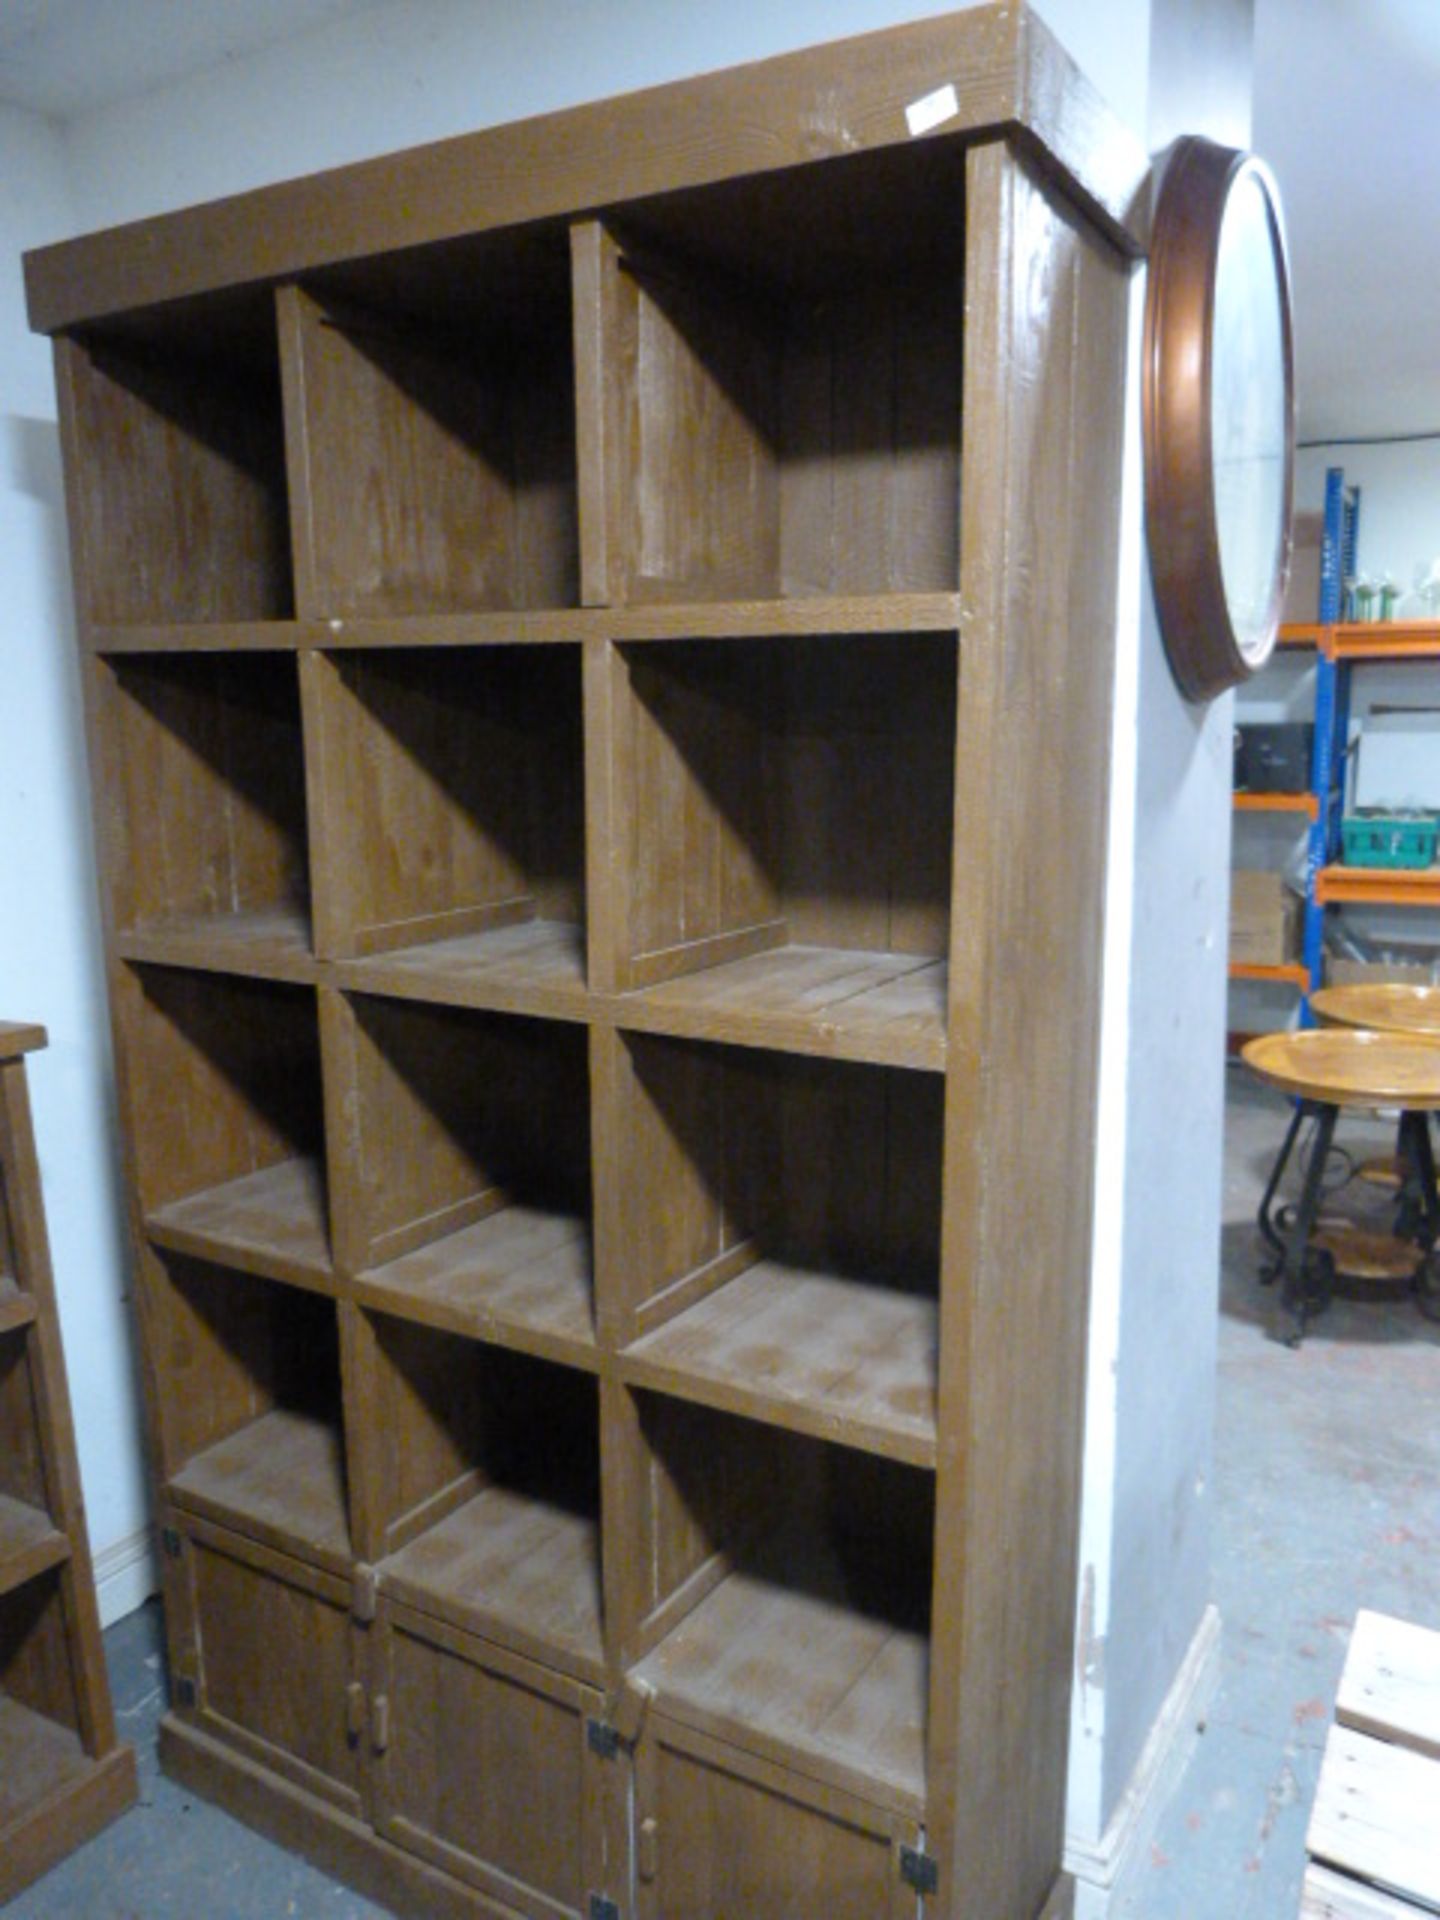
x,y
395,75
49,959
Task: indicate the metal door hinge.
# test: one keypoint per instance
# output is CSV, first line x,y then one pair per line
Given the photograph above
x,y
170,1540
185,1691
602,1907
919,1870
602,1738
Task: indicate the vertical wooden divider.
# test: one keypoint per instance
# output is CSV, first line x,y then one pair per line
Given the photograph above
x,y
604,403
1035,693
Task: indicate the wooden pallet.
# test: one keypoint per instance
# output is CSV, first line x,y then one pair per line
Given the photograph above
x,y
1374,1838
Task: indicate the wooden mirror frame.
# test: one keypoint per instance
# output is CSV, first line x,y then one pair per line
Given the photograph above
x,y
1181,531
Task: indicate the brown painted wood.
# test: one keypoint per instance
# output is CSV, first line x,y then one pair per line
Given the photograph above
x,y
1045,343
1005,66
727,1832
581,1063
63,1775
462,1709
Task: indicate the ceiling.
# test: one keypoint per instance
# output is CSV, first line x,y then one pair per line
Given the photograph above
x,y
1347,111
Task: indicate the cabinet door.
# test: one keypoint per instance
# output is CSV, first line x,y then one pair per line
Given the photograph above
x,y
485,1769
268,1659
720,1834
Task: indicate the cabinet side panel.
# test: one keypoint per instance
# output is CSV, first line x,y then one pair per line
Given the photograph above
x,y
1045,353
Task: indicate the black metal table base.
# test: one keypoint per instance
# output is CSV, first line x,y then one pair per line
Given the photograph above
x,y
1307,1272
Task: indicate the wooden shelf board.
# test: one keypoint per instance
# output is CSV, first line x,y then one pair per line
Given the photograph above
x,y
1378,886
1385,640
42,1760
535,967
887,1008
272,944
806,1681
53,1795
1374,1815
513,1569
1291,973
521,1278
847,1360
17,1308
1306,803
279,1480
198,636
20,1036
271,1223
1391,1683
781,618
30,1544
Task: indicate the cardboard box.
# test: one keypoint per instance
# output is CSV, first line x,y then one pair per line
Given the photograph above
x,y
1302,594
1370,973
1264,920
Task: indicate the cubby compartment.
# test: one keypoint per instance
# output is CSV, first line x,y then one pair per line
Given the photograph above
x,y
30,1541
16,1308
770,422
468,1188
225,1104
239,1614
177,426
252,1437
483,1473
432,426
778,1238
40,1722
451,794
756,1545
208,825
785,839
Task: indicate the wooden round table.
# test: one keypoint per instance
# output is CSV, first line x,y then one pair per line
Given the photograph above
x,y
1386,1006
1327,1070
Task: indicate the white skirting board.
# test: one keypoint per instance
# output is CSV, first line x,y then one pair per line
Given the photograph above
x,y
125,1575
1099,1867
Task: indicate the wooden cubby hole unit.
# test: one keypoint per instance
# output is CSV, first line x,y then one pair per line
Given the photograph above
x,y
780,820
777,1237
223,1084
464,1162
481,1477
252,1437
175,425
207,854
758,1543
447,787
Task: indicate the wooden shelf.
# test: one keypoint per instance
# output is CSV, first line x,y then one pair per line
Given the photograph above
x,y
270,1223
844,1360
53,1795
823,1688
887,1008
535,967
281,1480
513,1568
30,1544
1291,973
1306,803
17,1309
520,1278
1378,886
1385,640
272,943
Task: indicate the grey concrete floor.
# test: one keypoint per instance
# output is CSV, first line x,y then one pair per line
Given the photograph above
x,y
1327,1498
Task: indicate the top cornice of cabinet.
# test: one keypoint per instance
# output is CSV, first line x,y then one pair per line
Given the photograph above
x,y
989,69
